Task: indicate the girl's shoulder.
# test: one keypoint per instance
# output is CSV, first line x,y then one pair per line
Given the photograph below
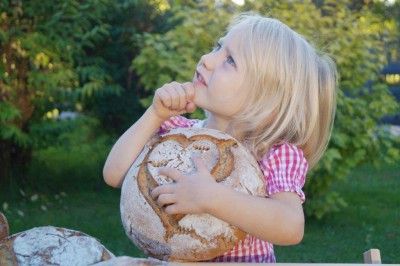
x,y
285,149
285,156
178,122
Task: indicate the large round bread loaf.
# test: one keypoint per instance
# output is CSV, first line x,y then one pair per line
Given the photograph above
x,y
185,237
50,245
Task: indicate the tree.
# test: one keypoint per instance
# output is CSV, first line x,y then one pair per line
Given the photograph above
x,y
356,40
127,20
45,65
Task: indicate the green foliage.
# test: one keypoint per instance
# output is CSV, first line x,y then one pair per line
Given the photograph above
x,y
126,19
68,56
355,38
46,63
70,148
173,55
9,130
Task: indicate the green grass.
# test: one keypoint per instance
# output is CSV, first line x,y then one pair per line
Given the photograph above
x,y
90,207
371,220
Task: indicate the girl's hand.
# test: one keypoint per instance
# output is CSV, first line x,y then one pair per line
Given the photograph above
x,y
174,99
190,193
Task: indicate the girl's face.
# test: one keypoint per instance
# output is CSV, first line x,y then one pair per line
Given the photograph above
x,y
219,80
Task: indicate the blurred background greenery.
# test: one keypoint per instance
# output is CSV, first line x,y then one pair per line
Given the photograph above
x,y
74,75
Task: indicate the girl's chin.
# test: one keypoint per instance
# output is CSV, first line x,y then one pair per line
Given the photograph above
x,y
199,102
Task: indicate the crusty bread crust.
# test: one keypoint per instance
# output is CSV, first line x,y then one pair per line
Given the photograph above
x,y
185,237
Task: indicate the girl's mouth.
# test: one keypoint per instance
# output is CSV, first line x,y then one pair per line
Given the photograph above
x,y
199,78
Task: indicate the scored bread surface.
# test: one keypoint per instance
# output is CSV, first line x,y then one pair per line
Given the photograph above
x,y
185,237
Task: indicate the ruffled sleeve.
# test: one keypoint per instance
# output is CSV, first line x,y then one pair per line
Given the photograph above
x,y
176,122
285,169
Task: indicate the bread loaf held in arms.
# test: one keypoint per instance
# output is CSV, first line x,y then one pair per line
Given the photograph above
x,y
185,237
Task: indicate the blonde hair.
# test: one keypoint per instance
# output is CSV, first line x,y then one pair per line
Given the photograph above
x,y
292,89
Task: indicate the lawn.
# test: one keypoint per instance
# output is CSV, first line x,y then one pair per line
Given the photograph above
x,y
371,220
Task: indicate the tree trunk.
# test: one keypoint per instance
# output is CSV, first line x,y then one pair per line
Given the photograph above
x,y
5,160
14,162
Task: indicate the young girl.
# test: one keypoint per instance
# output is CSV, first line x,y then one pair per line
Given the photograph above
x,y
265,85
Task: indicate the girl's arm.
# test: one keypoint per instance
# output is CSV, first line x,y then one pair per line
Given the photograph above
x,y
128,147
169,100
278,219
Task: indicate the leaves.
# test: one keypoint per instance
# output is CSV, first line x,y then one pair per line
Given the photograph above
x,y
42,52
174,54
48,61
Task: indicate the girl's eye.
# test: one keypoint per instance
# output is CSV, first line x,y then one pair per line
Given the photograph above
x,y
230,60
216,48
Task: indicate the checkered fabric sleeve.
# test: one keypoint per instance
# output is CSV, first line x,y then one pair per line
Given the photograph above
x,y
176,122
285,169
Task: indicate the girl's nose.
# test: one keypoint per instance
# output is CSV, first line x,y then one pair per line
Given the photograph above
x,y
206,61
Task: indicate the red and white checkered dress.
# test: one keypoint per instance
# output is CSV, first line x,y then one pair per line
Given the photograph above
x,y
284,168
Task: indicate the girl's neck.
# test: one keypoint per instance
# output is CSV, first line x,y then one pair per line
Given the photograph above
x,y
217,123
223,125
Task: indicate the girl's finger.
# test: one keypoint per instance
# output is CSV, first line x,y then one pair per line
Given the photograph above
x,y
172,209
198,161
175,97
182,97
163,97
190,107
189,90
172,173
165,199
190,95
163,189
